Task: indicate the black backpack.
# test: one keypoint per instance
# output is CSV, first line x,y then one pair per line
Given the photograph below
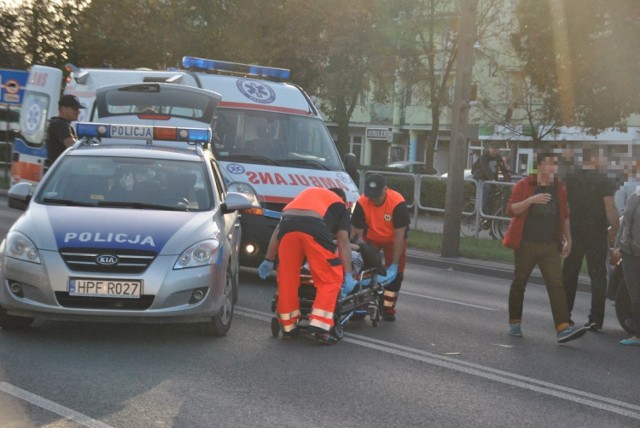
x,y
476,170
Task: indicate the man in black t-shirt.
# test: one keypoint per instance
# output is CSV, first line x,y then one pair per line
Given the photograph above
x,y
592,209
60,133
539,234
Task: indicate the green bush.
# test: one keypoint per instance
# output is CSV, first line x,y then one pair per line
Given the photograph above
x,y
432,189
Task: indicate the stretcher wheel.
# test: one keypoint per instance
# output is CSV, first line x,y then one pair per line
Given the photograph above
x,y
275,327
374,314
338,330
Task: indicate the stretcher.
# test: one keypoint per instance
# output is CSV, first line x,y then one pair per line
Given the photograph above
x,y
364,301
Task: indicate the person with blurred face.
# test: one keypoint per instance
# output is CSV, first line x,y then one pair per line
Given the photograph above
x,y
539,234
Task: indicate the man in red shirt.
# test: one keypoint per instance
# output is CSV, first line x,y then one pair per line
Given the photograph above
x,y
539,234
381,217
309,223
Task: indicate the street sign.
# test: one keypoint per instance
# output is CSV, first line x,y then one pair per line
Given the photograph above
x,y
12,85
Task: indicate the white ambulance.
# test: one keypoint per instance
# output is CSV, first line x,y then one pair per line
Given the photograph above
x,y
269,138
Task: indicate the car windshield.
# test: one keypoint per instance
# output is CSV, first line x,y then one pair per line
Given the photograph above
x,y
274,139
125,182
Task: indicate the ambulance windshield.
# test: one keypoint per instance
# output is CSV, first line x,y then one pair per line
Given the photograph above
x,y
274,139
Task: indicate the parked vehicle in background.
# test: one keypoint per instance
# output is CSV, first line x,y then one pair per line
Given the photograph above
x,y
269,138
414,167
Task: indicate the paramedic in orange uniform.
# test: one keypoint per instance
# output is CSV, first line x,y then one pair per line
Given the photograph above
x,y
381,217
305,231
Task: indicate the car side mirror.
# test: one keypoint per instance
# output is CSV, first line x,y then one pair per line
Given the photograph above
x,y
235,201
20,195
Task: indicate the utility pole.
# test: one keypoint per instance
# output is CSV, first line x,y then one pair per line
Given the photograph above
x,y
458,145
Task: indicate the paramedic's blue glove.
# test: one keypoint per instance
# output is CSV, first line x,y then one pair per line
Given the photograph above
x,y
265,268
348,285
392,272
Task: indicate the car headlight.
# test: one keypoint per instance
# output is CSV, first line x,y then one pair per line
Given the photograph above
x,y
20,247
247,191
200,254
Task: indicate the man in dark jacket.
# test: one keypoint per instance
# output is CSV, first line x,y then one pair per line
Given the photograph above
x,y
592,207
491,166
60,133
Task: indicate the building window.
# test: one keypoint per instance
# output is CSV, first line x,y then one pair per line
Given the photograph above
x,y
355,147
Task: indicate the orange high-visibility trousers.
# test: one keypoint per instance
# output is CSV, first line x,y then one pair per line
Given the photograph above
x,y
326,272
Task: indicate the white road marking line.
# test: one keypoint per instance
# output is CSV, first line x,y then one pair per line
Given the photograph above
x,y
455,302
512,379
51,406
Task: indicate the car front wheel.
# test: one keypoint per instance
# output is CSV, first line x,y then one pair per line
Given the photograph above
x,y
220,323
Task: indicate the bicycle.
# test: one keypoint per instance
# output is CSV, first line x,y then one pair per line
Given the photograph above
x,y
497,226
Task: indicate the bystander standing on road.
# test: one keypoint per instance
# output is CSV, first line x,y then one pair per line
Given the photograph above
x,y
591,202
60,133
381,218
628,243
539,234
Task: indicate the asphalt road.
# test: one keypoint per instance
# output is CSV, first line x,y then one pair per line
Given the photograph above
x,y
446,362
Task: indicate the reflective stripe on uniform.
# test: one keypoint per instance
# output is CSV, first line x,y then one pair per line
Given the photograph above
x,y
322,314
390,298
290,315
289,327
317,323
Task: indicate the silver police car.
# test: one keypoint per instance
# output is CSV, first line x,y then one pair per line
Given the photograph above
x,y
138,232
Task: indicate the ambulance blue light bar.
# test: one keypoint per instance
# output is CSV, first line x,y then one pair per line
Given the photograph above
x,y
143,132
234,67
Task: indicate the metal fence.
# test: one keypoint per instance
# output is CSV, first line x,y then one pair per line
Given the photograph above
x,y
472,213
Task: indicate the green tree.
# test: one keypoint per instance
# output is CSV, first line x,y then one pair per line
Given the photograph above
x,y
426,35
580,56
10,56
356,54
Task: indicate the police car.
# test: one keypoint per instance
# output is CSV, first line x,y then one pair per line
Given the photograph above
x,y
133,223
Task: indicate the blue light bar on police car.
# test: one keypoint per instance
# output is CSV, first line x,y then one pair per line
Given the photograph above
x,y
142,132
215,65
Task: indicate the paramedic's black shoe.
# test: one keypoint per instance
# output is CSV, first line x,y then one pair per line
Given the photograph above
x,y
593,326
388,317
321,336
291,335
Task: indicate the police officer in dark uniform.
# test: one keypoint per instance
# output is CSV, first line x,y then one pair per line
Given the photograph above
x,y
60,133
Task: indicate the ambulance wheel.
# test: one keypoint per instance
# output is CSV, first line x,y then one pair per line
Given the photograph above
x,y
10,322
338,330
220,323
275,327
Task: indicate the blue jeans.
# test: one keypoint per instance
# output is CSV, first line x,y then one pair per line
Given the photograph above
x,y
487,195
631,269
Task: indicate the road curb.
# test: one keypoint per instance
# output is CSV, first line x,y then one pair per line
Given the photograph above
x,y
479,267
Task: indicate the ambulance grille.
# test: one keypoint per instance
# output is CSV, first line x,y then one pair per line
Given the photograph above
x,y
86,260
